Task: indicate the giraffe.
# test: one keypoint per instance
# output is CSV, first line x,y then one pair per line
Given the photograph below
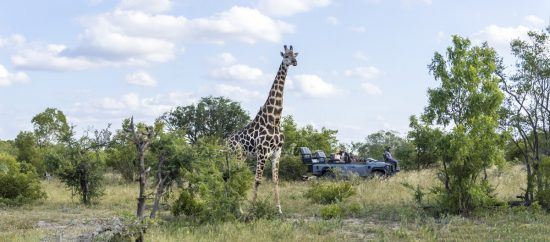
x,y
261,138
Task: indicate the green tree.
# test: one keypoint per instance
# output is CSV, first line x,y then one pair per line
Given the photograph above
x,y
376,143
8,147
424,140
80,163
172,155
467,101
308,136
50,126
211,116
527,109
121,156
28,151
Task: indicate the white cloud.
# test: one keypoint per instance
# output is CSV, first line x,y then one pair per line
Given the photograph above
x,y
37,57
237,93
359,55
333,20
534,20
238,23
371,89
152,6
132,104
501,36
363,72
224,58
412,2
314,86
141,78
7,78
358,29
239,72
136,38
290,7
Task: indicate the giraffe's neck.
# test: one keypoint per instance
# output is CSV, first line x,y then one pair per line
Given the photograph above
x,y
273,106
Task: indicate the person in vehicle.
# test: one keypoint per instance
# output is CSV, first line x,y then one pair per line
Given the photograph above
x,y
388,158
345,156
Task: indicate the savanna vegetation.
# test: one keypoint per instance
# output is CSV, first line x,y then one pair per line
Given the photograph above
x,y
475,166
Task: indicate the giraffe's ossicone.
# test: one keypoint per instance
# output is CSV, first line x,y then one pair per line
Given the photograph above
x,y
262,139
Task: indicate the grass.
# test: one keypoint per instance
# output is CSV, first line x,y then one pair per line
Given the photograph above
x,y
380,210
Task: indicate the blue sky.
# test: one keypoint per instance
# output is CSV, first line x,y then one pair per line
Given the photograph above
x,y
362,65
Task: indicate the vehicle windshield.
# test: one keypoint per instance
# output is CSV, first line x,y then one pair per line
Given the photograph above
x,y
370,159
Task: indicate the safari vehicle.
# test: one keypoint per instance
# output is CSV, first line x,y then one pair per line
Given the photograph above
x,y
321,165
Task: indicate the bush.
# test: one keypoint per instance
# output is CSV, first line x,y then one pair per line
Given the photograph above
x,y
217,184
261,209
187,205
19,182
121,157
543,195
291,168
327,193
332,211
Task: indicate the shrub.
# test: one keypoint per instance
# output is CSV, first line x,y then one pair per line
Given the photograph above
x,y
217,184
543,194
291,168
187,205
261,209
20,184
331,211
80,164
327,193
121,157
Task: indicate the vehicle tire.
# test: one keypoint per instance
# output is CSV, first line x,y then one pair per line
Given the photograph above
x,y
378,174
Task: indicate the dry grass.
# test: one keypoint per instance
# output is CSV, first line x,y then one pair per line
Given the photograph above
x,y
384,211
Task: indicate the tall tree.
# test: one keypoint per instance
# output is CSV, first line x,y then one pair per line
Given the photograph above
x,y
467,101
527,107
211,116
50,126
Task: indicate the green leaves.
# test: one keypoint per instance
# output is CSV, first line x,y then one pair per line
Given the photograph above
x,y
308,136
469,84
20,184
210,117
468,101
216,185
50,126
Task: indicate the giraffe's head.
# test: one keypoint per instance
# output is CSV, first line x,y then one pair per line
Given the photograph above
x,y
289,56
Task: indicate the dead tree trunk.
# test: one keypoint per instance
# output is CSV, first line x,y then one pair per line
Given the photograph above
x,y
160,187
142,184
141,139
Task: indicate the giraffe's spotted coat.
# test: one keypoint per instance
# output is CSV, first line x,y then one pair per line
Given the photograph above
x,y
262,139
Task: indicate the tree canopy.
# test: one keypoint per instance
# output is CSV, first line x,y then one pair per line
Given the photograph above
x,y
211,116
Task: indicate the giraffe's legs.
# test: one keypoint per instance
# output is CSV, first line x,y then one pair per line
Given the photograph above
x,y
275,176
258,176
